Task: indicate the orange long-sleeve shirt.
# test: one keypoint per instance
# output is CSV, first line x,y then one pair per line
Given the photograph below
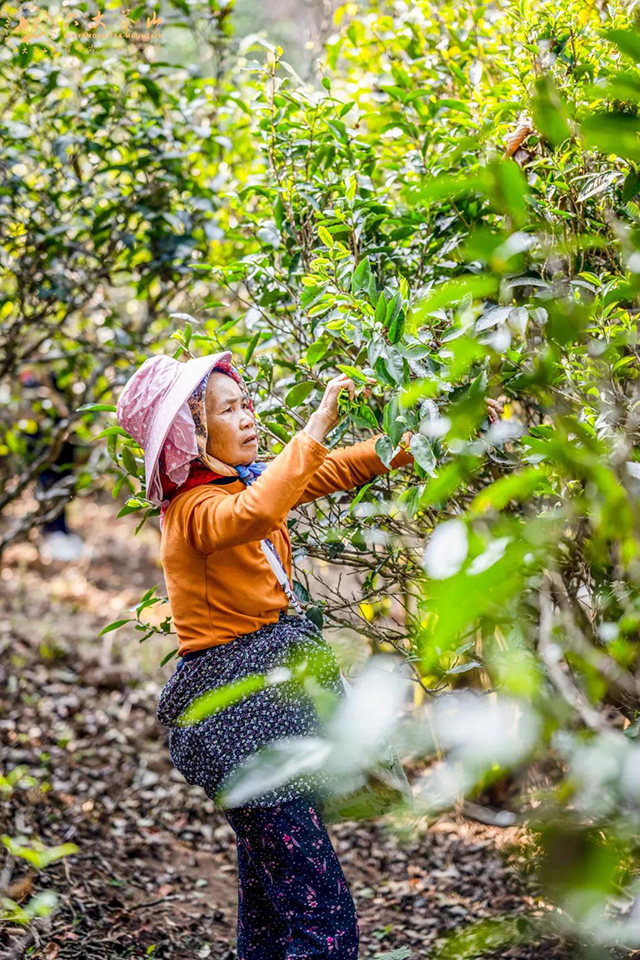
x,y
219,582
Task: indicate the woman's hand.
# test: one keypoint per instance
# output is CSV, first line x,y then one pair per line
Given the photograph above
x,y
494,409
326,416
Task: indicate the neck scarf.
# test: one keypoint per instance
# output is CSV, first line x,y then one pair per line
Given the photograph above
x,y
203,468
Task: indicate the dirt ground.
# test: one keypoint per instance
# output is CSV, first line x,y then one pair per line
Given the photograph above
x,y
155,872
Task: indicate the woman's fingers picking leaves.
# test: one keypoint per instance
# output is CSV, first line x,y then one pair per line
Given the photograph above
x,y
494,409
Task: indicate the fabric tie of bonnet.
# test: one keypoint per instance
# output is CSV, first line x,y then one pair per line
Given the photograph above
x,y
251,472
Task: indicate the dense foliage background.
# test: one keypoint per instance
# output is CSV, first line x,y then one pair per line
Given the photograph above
x,y
449,207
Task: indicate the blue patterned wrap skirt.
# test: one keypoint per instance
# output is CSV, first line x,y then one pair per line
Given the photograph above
x,y
214,748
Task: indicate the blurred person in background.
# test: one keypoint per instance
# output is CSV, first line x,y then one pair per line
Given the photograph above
x,y
41,391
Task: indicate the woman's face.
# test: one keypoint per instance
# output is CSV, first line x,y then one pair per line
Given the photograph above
x,y
231,428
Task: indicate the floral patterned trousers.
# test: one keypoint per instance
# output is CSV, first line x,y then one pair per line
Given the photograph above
x,y
293,898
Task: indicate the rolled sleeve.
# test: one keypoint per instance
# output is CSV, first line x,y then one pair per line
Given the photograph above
x,y
348,467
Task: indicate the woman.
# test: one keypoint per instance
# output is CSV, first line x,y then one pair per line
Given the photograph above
x,y
224,533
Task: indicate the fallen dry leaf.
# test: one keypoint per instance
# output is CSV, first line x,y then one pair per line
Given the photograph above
x,y
517,137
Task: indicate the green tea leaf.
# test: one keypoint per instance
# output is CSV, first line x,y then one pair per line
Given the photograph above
x,y
114,626
96,407
299,393
361,279
384,449
318,349
325,236
549,111
423,453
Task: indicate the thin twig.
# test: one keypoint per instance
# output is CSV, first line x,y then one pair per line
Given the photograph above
x,y
553,657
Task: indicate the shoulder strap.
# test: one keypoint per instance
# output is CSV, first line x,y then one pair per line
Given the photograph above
x,y
277,566
249,476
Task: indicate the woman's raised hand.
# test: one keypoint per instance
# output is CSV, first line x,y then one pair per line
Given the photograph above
x,y
494,409
326,416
